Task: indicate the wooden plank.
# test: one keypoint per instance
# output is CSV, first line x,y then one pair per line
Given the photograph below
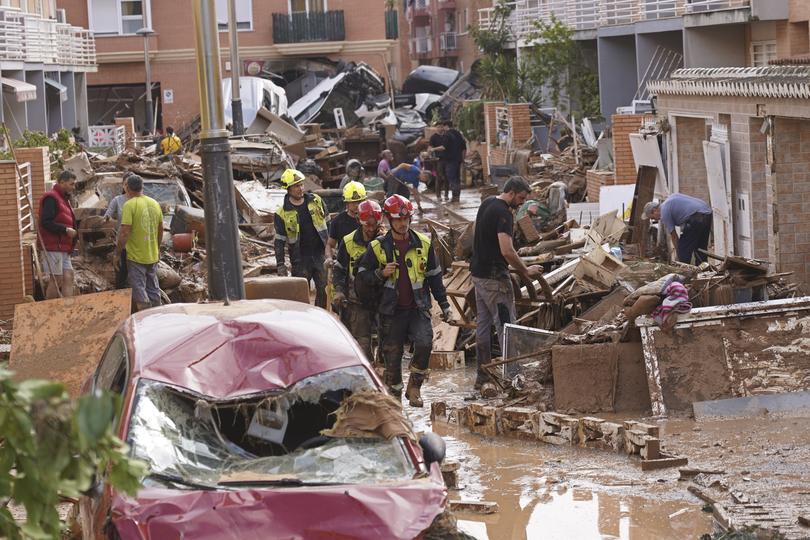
x,y
43,348
663,463
474,507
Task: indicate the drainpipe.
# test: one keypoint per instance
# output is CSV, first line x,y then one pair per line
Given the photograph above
x,y
236,98
224,257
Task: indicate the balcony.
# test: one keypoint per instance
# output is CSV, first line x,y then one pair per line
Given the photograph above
x,y
592,14
308,27
25,37
420,8
448,41
421,47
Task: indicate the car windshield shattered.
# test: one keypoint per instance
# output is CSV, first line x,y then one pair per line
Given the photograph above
x,y
264,439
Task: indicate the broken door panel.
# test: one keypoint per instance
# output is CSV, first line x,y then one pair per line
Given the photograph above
x,y
742,225
720,196
647,152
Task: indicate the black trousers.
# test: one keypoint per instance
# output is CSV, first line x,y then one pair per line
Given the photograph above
x,y
311,267
694,236
409,325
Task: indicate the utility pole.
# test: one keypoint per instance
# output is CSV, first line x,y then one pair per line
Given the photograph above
x,y
224,257
236,97
150,119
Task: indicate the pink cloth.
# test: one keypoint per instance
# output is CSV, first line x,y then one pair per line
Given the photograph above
x,y
676,301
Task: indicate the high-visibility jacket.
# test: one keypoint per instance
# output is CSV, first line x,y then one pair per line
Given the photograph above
x,y
350,249
424,272
52,241
170,144
288,230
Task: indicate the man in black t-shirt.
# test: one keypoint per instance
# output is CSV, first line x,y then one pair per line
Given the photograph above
x,y
455,148
493,252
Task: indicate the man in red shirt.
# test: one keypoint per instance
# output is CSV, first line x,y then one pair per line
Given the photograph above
x,y
57,234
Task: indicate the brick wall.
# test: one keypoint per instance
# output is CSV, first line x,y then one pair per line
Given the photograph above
x,y
520,120
623,126
792,182
40,170
595,180
12,286
691,133
129,127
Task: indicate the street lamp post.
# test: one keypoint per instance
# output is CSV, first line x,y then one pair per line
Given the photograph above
x,y
236,98
150,119
223,253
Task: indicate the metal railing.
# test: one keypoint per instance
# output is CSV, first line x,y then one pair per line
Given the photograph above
x,y
114,137
308,27
422,45
591,14
30,38
448,41
25,189
421,4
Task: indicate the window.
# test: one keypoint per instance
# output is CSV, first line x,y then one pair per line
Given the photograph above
x,y
462,21
244,15
307,6
118,17
762,52
112,371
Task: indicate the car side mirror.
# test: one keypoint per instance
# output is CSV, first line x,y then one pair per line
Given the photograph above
x,y
433,448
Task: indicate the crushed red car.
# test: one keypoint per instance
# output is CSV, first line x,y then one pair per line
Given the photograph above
x,y
234,409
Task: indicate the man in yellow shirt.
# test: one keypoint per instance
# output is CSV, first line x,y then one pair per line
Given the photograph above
x,y
171,143
141,233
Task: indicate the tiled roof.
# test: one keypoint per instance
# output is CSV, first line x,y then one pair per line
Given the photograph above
x,y
771,82
798,60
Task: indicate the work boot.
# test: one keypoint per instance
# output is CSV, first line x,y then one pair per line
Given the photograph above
x,y
413,392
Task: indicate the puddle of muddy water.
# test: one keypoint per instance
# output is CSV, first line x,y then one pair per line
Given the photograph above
x,y
550,492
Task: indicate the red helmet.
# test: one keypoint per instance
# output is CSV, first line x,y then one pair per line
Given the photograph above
x,y
397,206
368,210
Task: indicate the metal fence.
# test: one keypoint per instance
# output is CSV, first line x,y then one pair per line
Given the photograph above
x,y
108,137
30,38
307,27
448,41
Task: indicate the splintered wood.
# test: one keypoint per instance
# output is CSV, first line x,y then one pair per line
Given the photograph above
x,y
628,437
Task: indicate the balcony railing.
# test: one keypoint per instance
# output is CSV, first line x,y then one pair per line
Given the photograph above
x,y
421,4
422,45
448,41
30,38
591,14
307,27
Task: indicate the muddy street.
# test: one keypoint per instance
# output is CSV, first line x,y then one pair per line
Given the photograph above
x,y
546,491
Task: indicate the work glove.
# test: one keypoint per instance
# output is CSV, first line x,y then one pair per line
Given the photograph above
x,y
282,271
446,313
338,302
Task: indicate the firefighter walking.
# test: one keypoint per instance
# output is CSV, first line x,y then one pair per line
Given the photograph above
x,y
355,314
404,265
301,226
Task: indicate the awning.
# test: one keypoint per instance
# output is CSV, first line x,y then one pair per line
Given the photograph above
x,y
59,87
21,90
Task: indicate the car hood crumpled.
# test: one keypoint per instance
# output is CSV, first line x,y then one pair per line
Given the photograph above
x,y
390,511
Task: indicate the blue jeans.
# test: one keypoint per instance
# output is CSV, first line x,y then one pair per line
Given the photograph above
x,y
451,171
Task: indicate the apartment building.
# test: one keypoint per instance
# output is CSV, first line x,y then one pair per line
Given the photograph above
x,y
283,37
439,33
635,41
44,64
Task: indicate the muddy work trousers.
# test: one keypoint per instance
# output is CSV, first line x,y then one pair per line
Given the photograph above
x,y
360,323
409,325
311,267
494,304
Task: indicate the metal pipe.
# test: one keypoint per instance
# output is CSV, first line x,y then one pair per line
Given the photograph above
x,y
236,97
150,120
223,254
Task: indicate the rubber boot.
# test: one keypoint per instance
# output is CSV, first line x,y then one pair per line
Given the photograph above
x,y
414,392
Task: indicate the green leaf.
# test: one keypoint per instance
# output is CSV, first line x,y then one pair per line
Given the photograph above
x,y
32,390
94,417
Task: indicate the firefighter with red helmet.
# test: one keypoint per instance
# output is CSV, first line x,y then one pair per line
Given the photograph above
x,y
357,315
403,264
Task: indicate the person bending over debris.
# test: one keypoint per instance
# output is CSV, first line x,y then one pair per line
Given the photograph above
x,y
692,215
57,233
357,315
346,222
141,234
115,211
354,172
404,265
390,182
410,175
301,225
171,143
493,251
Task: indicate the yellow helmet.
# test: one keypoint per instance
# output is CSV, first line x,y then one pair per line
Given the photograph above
x,y
354,192
290,177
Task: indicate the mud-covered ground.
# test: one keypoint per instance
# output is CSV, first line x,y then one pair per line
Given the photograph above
x,y
553,492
